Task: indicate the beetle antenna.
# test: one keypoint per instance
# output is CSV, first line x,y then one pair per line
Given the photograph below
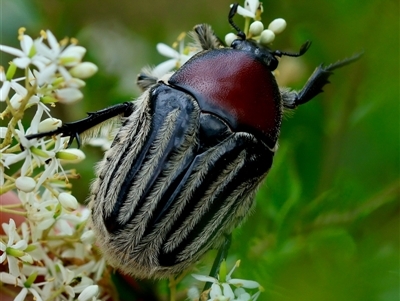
x,y
232,13
303,49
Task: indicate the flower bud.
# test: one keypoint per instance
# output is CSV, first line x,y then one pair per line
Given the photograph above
x,y
71,155
68,201
25,184
48,99
68,95
229,38
88,237
256,28
49,124
267,37
83,70
277,25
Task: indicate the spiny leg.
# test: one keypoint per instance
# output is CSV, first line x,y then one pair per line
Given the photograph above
x,y
74,129
314,84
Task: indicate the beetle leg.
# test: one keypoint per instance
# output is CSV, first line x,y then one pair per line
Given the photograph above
x,y
222,255
314,84
74,129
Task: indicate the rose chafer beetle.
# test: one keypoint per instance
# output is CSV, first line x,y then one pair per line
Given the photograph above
x,y
185,165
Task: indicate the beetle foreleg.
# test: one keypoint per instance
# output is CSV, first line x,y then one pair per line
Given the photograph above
x,y
314,85
74,129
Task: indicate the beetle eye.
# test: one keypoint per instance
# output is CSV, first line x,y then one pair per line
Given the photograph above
x,y
235,44
273,63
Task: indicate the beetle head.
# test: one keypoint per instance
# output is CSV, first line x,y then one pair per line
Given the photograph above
x,y
268,57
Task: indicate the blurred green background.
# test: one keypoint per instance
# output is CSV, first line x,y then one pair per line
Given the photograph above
x,y
326,225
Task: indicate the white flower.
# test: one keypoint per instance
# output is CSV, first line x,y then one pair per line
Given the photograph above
x,y
250,8
56,57
177,58
14,250
222,290
26,285
25,56
10,84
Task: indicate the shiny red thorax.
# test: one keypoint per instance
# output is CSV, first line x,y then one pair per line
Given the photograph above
x,y
235,86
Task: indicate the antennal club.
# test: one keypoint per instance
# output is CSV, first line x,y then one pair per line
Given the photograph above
x,y
232,13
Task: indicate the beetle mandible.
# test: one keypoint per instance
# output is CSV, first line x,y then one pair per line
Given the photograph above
x,y
185,165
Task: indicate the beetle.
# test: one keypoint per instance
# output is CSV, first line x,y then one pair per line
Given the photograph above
x,y
183,169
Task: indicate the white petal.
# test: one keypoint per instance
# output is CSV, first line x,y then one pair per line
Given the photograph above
x,y
12,50
52,41
8,278
3,256
193,293
13,266
36,295
244,12
2,74
228,292
167,51
164,68
215,291
244,283
88,293
73,53
20,245
251,5
4,90
70,291
26,44
88,237
21,90
43,50
22,62
46,74
205,278
21,295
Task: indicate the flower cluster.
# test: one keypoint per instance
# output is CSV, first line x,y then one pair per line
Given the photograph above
x,y
49,253
179,53
221,288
